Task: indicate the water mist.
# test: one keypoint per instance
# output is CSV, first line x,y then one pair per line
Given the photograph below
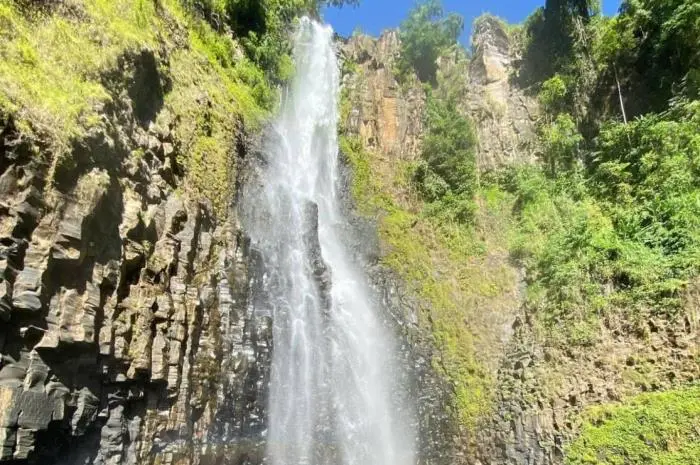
x,y
333,396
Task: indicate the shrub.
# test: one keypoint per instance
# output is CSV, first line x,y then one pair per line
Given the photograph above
x,y
618,233
425,34
553,94
447,175
560,141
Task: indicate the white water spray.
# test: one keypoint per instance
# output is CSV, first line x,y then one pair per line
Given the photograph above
x,y
333,393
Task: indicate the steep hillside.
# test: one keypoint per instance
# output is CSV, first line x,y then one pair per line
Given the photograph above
x,y
134,324
526,214
123,273
543,297
456,272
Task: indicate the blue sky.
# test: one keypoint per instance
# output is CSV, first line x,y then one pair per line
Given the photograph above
x,y
373,16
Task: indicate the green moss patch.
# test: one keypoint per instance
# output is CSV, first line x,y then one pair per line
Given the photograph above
x,y
445,264
651,429
56,64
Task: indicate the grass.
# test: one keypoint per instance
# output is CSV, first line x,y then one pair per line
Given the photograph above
x,y
660,428
49,71
445,265
52,64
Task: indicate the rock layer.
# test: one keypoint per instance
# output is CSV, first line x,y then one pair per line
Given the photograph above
x,y
540,388
127,336
504,114
388,120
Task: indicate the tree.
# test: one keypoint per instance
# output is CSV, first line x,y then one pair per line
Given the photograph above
x,y
339,3
550,34
667,51
425,34
447,175
558,12
560,140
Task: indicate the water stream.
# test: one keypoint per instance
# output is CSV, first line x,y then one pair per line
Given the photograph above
x,y
333,395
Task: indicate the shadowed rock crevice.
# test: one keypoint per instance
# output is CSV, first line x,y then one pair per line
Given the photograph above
x,y
147,88
319,268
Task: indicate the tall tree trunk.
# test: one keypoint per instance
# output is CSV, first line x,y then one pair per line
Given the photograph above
x,y
619,94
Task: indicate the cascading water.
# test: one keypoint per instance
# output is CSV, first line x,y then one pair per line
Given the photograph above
x,y
333,393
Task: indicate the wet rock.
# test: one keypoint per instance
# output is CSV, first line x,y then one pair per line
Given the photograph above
x,y
7,442
35,410
25,443
318,266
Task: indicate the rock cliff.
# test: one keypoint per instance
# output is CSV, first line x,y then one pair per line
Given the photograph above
x,y
386,116
127,325
538,389
134,329
504,114
127,336
132,326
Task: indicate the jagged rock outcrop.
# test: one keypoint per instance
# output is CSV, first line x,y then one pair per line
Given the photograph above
x,y
543,387
388,120
540,387
504,114
389,117
127,334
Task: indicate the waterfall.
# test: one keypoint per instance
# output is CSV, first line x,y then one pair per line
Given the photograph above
x,y
333,397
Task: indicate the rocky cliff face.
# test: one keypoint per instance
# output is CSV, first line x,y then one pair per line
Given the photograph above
x,y
387,119
504,114
132,329
128,335
540,388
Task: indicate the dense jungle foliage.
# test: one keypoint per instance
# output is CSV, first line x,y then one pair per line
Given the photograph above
x,y
609,221
607,225
616,203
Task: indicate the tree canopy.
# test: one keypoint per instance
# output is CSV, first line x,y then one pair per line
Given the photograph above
x,y
425,34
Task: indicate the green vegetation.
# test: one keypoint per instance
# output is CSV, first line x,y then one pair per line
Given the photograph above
x,y
444,263
446,175
50,64
608,224
648,53
434,222
207,70
551,32
425,35
433,240
262,27
612,230
655,429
